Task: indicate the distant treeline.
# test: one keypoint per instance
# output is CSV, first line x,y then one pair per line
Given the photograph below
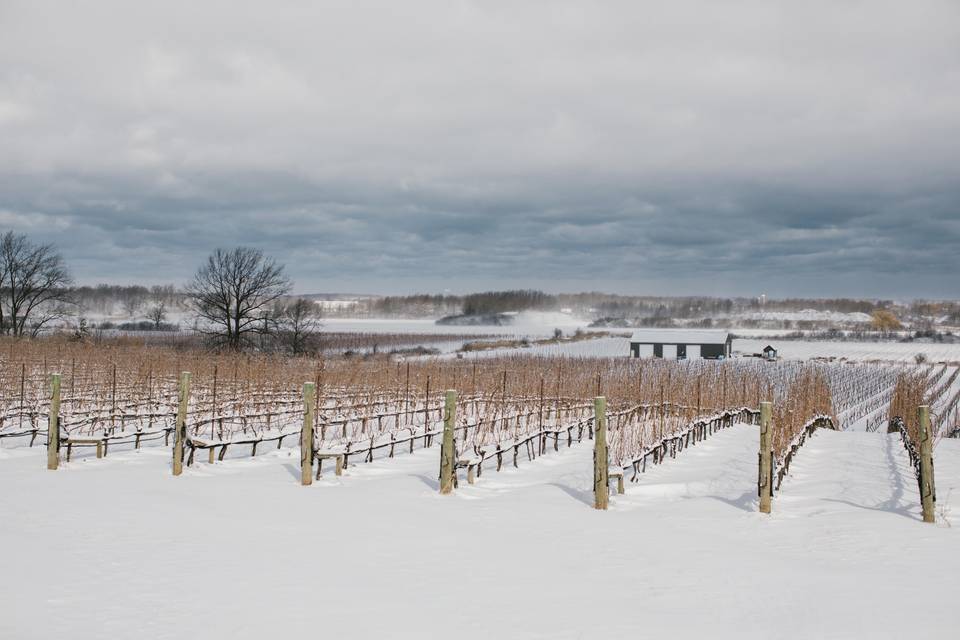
x,y
652,310
607,305
489,302
505,301
135,301
129,300
419,305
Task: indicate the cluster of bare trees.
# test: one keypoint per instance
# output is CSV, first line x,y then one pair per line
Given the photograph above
x,y
153,302
240,298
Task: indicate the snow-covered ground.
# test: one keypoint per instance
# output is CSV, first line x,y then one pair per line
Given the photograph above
x,y
807,315
859,351
895,352
118,548
538,325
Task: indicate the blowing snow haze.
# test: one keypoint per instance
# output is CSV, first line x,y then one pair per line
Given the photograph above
x,y
691,147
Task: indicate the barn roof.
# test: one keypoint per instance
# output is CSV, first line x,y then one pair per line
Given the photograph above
x,y
680,336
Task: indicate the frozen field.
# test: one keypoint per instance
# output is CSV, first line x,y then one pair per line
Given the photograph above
x,y
239,550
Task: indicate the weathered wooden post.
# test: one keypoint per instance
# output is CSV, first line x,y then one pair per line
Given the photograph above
x,y
928,493
601,469
543,436
306,434
23,388
426,416
447,453
113,396
766,458
180,428
53,424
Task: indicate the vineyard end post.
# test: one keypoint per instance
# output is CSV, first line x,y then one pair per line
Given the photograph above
x,y
53,424
928,494
180,428
447,453
765,486
601,466
306,434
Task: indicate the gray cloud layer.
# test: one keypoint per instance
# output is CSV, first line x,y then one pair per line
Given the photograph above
x,y
793,148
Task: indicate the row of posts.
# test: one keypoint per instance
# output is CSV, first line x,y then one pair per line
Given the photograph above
x,y
926,480
180,427
601,469
447,445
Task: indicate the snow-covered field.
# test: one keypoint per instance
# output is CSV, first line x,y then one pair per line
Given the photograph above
x,y
540,325
860,351
895,352
119,548
808,315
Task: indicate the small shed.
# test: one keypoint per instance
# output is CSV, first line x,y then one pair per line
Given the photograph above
x,y
681,344
769,353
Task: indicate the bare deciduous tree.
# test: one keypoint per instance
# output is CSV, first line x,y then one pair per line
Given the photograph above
x,y
157,312
233,290
297,325
162,298
131,303
34,286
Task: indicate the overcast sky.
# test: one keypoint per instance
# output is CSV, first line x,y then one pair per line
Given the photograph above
x,y
792,148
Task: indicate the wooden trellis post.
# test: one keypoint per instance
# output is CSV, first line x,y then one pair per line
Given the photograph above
x,y
306,434
180,428
765,486
447,453
53,425
601,480
928,493
426,415
113,395
406,398
23,387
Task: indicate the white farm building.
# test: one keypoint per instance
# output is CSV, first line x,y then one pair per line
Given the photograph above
x,y
681,344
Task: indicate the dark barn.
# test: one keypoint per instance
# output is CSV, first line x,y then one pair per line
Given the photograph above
x,y
681,344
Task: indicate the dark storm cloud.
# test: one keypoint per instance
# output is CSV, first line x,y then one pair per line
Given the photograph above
x,y
754,146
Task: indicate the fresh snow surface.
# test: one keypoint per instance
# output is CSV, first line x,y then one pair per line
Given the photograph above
x,y
118,548
808,314
858,351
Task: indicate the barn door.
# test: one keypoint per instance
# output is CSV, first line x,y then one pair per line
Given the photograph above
x,y
669,352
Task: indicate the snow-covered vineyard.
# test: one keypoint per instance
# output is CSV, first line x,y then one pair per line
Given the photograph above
x,y
163,471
